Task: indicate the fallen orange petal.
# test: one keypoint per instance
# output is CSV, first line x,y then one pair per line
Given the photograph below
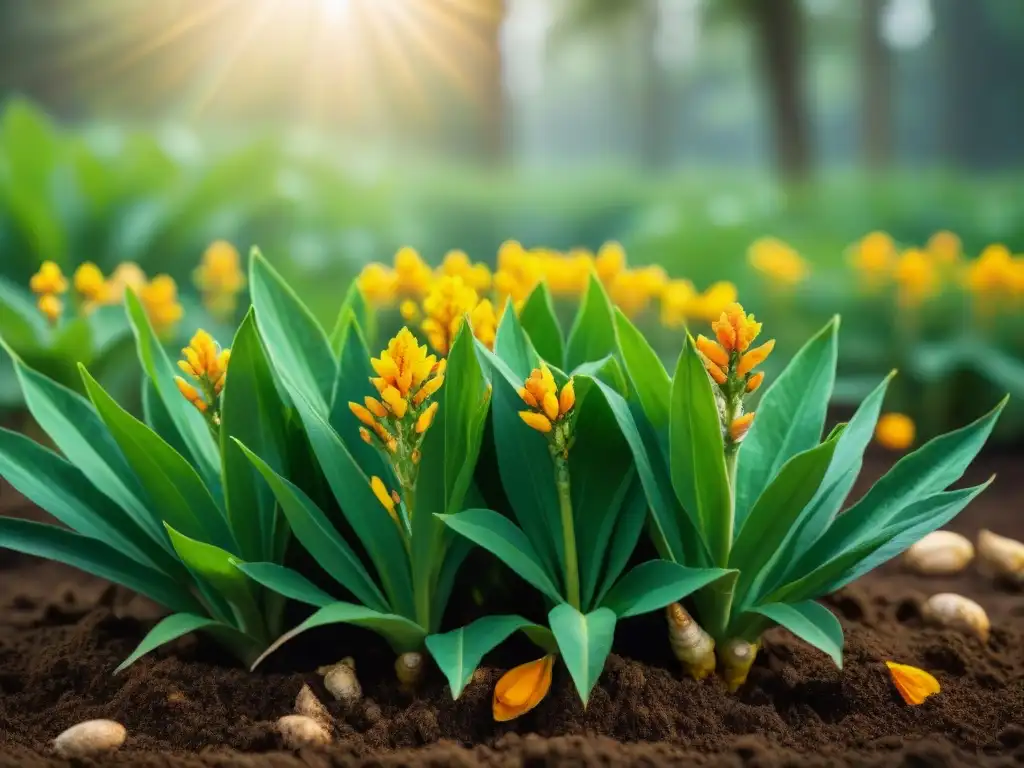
x,y
521,689
914,685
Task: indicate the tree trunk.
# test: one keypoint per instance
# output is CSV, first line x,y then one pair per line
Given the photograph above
x,y
876,88
778,25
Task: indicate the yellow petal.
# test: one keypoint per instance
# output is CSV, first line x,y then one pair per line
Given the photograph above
x,y
754,358
741,425
362,414
522,688
528,397
713,351
755,381
914,685
567,399
376,407
550,405
377,486
536,420
425,419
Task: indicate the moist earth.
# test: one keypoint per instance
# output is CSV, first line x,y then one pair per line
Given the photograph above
x,y
62,635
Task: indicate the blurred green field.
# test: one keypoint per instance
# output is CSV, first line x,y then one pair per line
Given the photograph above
x,y
320,211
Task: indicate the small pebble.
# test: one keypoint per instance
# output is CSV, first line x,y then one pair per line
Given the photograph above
x,y
940,553
90,738
341,681
958,613
300,731
306,703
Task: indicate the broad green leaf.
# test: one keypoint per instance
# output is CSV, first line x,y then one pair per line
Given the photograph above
x,y
601,475
371,523
776,512
526,470
155,414
58,487
593,332
628,527
697,454
217,568
456,550
541,325
513,347
295,341
312,528
355,305
180,624
500,536
21,323
95,557
458,653
790,418
811,622
607,370
161,371
402,634
649,378
655,584
174,487
251,413
77,430
931,468
585,640
286,582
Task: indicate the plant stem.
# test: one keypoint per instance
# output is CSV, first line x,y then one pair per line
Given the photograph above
x,y
572,571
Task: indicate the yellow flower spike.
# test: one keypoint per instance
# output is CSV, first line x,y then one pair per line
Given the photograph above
x,y
740,426
755,381
713,351
914,685
874,255
413,275
610,261
778,261
48,280
944,247
550,406
393,399
51,307
89,282
536,421
446,304
484,322
425,419
378,284
159,298
567,399
376,407
521,689
128,274
754,358
410,311
735,329
917,277
362,414
895,431
381,492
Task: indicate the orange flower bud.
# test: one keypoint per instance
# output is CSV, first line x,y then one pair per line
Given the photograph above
x,y
535,420
393,398
377,486
914,685
755,381
362,414
754,358
425,419
521,689
713,368
364,433
528,397
713,351
567,399
376,407
550,405
740,426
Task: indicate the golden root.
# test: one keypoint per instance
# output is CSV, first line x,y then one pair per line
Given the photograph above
x,y
409,669
940,553
958,613
1002,556
694,647
340,679
737,657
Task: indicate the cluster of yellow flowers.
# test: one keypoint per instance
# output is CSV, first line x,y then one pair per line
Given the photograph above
x,y
219,279
459,287
206,365
159,296
778,261
994,279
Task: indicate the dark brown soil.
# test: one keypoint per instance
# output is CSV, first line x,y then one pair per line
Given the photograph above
x,y
62,634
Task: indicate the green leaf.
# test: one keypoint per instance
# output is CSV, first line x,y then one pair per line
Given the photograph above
x,y
776,512
251,413
649,378
593,332
655,584
21,323
61,489
158,419
790,418
513,347
503,539
97,558
402,634
217,568
355,306
312,528
172,484
180,624
931,468
295,341
811,622
285,581
585,640
190,423
628,527
697,454
77,430
541,325
458,653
